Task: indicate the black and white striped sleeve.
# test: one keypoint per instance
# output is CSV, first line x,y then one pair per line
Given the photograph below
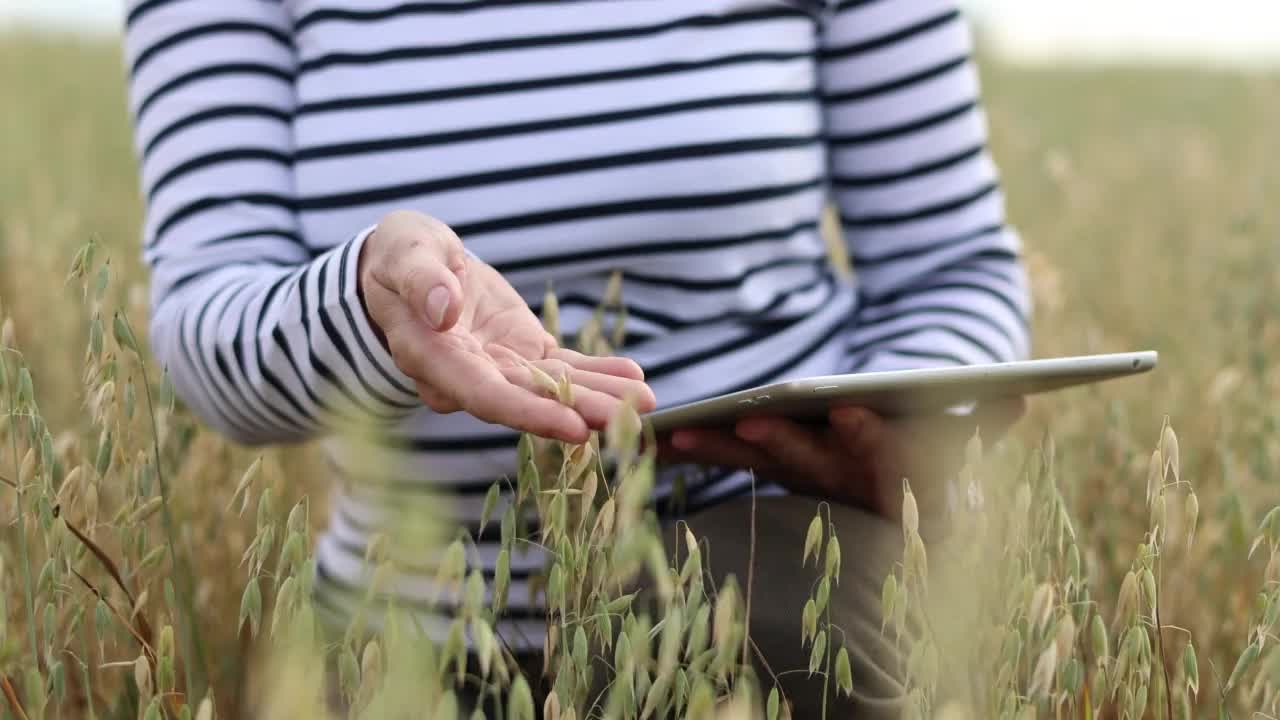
x,y
939,272
264,339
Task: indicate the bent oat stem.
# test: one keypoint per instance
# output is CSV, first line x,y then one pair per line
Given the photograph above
x,y
12,697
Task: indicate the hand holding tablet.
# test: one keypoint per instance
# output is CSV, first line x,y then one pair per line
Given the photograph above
x,y
904,392
853,438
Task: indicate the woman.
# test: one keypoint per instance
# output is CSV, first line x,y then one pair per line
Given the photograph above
x,y
353,207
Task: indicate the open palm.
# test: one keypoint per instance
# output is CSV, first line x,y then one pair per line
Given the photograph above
x,y
471,343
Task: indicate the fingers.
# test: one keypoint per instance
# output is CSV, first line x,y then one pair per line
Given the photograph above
x,y
716,447
794,447
636,392
633,390
456,379
517,408
618,376
422,261
596,408
473,383
860,430
872,449
619,366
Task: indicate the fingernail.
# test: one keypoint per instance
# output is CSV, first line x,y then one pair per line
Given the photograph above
x,y
437,305
681,440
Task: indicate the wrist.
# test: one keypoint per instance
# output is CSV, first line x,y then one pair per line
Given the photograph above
x,y
364,280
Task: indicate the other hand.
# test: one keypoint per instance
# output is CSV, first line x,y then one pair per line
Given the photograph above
x,y
857,458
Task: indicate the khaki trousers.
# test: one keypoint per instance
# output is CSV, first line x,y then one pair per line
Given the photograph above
x,y
780,586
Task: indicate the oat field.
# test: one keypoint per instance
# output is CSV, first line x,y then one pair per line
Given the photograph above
x,y
1123,558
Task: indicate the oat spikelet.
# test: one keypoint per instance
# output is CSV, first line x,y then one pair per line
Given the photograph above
x,y
551,313
613,291
551,707
542,379
1098,638
142,676
1042,676
243,485
146,510
1065,638
1191,511
1041,606
813,539
1128,599
726,608
1155,475
371,662
1169,446
910,513
27,470
564,391
973,450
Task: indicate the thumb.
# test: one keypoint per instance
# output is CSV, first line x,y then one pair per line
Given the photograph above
x,y
424,264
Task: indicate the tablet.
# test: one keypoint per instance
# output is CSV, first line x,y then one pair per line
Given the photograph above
x,y
903,392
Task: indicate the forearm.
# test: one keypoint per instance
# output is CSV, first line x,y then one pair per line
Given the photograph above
x,y
265,340
266,353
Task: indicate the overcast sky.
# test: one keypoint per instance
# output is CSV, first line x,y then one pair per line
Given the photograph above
x,y
1231,31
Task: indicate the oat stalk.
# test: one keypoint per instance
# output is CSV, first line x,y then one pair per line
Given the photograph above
x,y
1164,661
24,552
143,642
826,671
107,563
194,667
751,570
88,682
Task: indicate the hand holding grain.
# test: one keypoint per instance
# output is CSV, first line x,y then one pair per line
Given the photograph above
x,y
468,339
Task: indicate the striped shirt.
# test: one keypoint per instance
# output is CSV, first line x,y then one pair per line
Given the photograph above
x,y
691,145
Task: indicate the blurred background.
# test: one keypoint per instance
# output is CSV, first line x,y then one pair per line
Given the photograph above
x,y
1239,32
1139,141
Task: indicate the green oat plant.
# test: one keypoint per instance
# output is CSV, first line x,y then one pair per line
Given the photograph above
x,y
1022,634
1146,203
107,550
78,569
816,627
116,560
607,578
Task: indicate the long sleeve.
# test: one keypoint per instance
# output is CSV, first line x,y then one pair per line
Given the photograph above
x,y
938,270
263,337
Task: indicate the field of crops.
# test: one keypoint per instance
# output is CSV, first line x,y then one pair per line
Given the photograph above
x,y
1106,581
